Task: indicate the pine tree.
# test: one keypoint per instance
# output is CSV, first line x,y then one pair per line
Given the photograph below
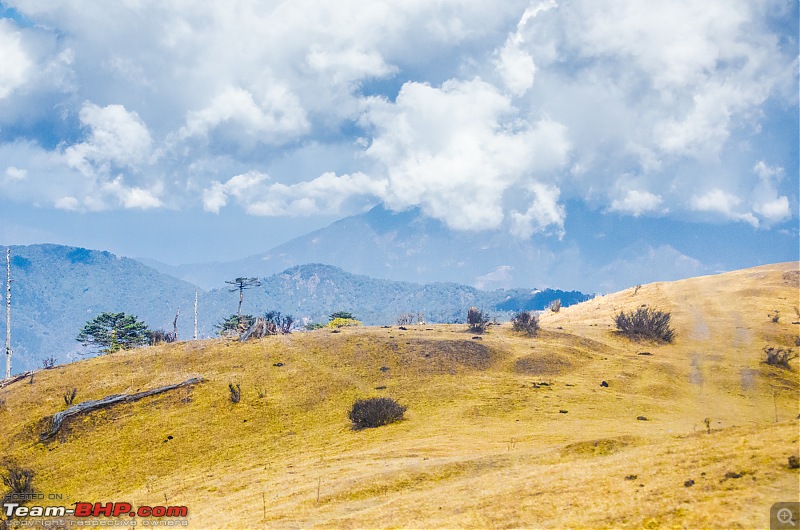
x,y
113,331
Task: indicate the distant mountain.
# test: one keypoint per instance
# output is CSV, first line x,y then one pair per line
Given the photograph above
x,y
312,292
56,289
599,252
403,246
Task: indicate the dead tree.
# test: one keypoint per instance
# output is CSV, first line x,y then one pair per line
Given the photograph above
x,y
240,284
8,312
175,325
259,329
88,406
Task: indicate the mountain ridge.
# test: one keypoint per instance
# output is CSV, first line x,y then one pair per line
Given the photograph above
x,y
58,288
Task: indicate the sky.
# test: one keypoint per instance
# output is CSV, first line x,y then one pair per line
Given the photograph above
x,y
191,132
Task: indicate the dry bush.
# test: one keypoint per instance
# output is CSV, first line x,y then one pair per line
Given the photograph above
x,y
525,322
374,412
69,397
779,357
236,392
555,305
17,480
645,323
405,319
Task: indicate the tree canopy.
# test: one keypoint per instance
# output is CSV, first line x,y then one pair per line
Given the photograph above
x,y
110,332
341,314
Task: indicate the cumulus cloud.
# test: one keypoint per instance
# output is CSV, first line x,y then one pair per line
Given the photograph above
x,y
719,201
456,150
483,115
766,201
636,202
278,117
15,174
516,68
15,65
117,137
544,212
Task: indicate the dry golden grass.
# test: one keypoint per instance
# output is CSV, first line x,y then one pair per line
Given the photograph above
x,y
484,442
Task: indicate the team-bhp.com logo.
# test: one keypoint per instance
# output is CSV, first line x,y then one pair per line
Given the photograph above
x,y
88,509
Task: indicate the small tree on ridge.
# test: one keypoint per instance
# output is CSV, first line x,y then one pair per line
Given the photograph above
x,y
240,284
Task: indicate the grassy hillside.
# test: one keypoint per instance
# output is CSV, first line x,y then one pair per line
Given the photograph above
x,y
485,442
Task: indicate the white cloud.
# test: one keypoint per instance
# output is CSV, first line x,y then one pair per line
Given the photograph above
x,y
456,150
719,201
766,201
15,174
276,118
132,197
636,202
544,212
716,200
774,211
15,65
498,99
516,68
323,195
117,137
67,203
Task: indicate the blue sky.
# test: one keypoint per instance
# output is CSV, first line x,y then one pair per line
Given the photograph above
x,y
177,131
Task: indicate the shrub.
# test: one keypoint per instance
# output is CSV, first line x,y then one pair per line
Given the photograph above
x,y
282,323
343,322
341,314
311,326
645,323
157,336
477,320
18,480
405,319
525,322
49,362
374,412
69,397
236,392
779,357
555,305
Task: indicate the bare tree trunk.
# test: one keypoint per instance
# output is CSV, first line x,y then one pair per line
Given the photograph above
x,y
8,312
195,314
175,324
241,297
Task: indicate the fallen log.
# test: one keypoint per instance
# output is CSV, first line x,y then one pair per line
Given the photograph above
x,y
88,406
7,381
